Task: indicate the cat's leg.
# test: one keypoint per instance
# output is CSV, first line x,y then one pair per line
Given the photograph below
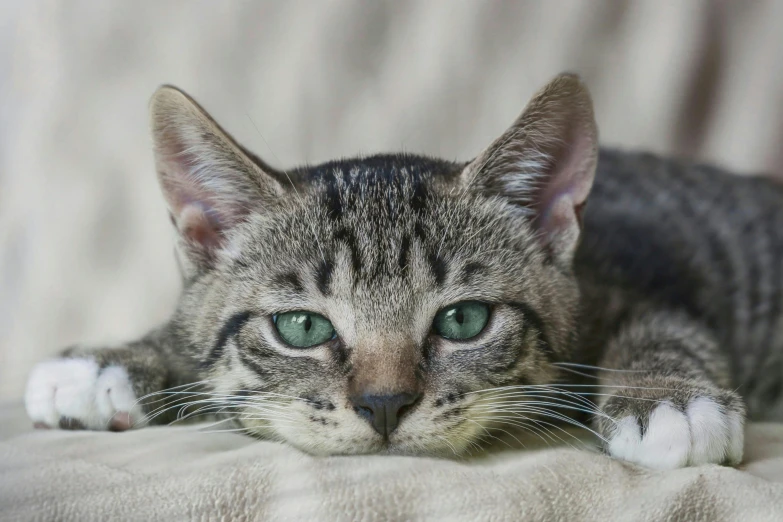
x,y
668,403
100,388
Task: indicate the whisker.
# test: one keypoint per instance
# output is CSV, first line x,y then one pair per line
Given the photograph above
x,y
448,443
523,404
248,394
520,409
489,434
167,392
568,394
510,405
471,444
563,418
182,407
572,399
520,423
576,372
555,426
564,397
563,385
220,422
598,368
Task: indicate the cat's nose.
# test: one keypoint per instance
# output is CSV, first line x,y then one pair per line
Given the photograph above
x,y
384,411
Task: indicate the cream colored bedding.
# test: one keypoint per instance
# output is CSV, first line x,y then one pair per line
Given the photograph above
x,y
187,473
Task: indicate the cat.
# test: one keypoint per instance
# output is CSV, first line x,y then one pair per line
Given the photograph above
x,y
404,304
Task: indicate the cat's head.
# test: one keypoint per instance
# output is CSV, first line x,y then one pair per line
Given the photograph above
x,y
367,305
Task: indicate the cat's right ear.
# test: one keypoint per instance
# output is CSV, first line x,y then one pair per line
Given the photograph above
x,y
544,164
210,184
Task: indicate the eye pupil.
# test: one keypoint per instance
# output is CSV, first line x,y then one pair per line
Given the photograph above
x,y
460,316
308,324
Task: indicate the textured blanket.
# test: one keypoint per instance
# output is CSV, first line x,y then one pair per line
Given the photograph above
x,y
193,473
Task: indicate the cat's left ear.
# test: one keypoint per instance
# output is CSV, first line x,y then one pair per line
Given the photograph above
x,y
545,163
211,184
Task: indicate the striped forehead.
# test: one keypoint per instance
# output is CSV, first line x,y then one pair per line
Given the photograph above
x,y
386,227
377,219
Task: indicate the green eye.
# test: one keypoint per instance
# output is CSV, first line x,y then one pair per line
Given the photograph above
x,y
462,320
303,329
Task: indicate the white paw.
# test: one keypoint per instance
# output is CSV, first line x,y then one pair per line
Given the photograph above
x,y
705,434
74,392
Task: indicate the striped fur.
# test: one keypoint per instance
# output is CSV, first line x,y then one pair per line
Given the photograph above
x,y
677,280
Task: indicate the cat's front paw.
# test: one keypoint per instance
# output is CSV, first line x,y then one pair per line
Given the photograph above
x,y
78,394
671,428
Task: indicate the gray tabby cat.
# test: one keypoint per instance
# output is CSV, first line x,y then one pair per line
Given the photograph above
x,y
408,305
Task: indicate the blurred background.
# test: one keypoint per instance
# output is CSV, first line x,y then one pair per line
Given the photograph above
x,y
85,245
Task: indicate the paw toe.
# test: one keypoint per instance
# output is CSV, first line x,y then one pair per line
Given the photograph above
x,y
116,400
709,431
736,444
666,444
626,440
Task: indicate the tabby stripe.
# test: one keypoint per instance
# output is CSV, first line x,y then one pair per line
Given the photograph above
x,y
469,270
420,195
536,322
323,276
333,199
253,364
405,245
230,329
438,268
340,356
290,280
349,238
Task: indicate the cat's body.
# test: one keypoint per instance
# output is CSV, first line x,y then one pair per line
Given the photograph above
x,y
692,238
451,294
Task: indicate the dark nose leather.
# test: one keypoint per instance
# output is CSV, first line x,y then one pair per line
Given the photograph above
x,y
384,411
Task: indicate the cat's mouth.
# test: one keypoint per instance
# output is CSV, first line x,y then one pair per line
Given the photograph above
x,y
321,427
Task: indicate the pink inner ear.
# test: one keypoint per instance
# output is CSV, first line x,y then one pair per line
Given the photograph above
x,y
197,226
194,207
194,210
559,218
562,199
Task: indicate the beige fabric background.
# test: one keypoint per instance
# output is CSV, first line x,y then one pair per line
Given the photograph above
x,y
86,253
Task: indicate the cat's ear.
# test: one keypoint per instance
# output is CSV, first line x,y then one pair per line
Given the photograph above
x,y
209,182
545,163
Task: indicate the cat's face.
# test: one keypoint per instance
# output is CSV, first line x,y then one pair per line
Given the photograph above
x,y
378,251
369,305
